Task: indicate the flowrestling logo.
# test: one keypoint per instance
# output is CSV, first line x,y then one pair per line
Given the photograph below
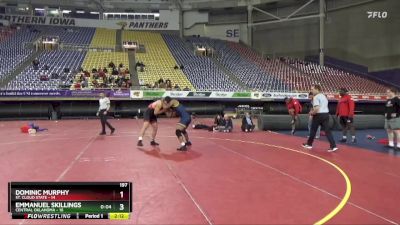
x,y
377,15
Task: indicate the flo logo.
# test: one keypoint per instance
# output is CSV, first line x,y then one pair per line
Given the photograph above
x,y
376,14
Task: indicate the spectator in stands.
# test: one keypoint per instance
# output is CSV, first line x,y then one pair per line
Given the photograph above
x,y
35,64
136,66
161,80
121,65
114,72
345,112
141,82
176,67
46,67
247,123
84,83
168,84
181,67
43,77
105,80
124,85
86,73
186,88
155,85
105,70
392,118
162,85
95,83
77,86
111,65
94,70
101,73
176,87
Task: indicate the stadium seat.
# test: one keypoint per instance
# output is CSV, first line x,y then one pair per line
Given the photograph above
x,y
159,63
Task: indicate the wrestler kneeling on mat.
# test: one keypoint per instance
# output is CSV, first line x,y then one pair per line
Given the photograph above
x,y
182,125
150,118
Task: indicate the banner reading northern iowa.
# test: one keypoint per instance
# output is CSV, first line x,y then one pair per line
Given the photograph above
x,y
169,20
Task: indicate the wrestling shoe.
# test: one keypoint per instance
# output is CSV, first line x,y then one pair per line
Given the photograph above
x,y
102,133
112,131
140,143
153,143
334,149
306,146
182,148
188,143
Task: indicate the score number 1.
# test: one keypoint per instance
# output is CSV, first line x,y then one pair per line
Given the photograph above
x,y
123,185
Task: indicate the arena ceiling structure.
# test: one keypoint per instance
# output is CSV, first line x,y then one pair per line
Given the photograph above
x,y
135,5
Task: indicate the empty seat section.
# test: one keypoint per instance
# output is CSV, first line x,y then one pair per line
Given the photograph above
x,y
104,38
159,63
69,35
244,69
12,51
200,70
56,61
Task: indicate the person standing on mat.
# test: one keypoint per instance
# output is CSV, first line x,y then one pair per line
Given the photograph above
x,y
294,108
150,118
320,114
310,116
185,119
392,118
104,107
345,112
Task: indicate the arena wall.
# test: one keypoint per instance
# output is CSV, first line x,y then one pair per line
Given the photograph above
x,y
349,34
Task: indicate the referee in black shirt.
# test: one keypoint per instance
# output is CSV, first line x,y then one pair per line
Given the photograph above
x,y
392,120
104,106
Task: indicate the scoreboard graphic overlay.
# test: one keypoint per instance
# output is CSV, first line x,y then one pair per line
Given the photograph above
x,y
70,200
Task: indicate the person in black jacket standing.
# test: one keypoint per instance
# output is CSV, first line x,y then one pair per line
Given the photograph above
x,y
104,107
392,118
